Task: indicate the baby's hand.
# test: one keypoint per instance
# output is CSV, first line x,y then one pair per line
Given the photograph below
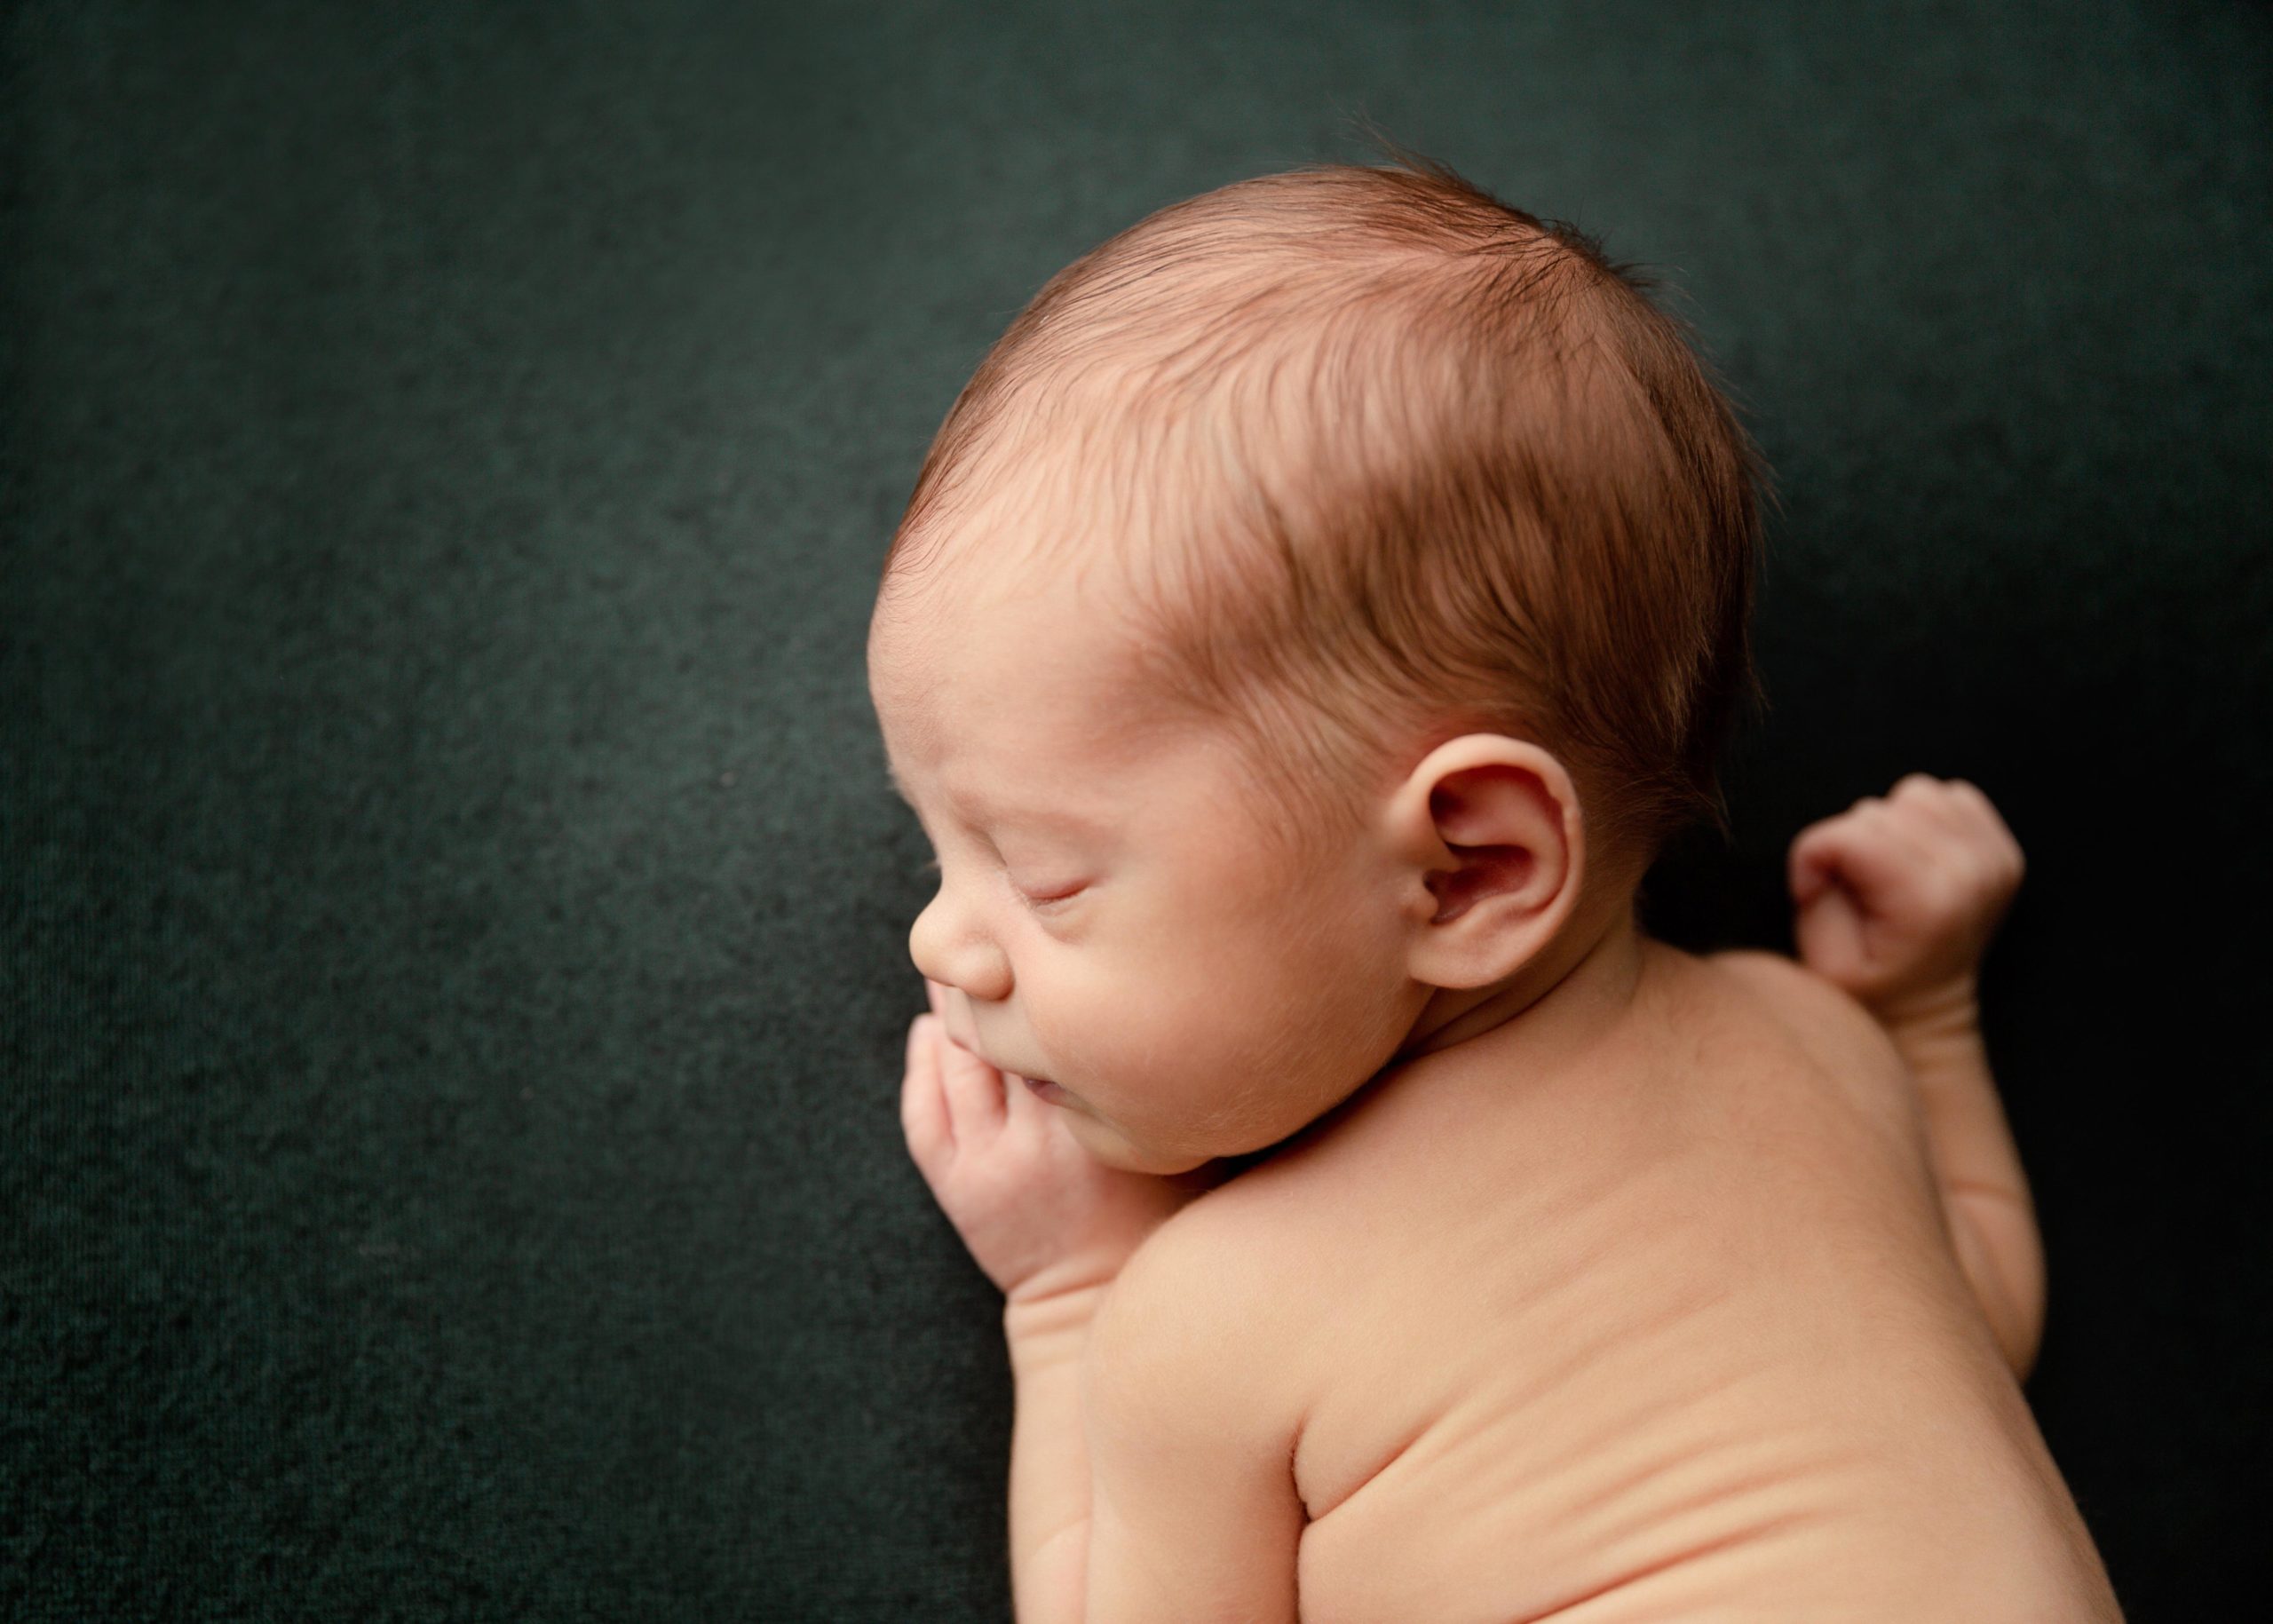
x,y
1039,1213
1898,898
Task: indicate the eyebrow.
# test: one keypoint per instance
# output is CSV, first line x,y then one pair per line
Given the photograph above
x,y
1038,814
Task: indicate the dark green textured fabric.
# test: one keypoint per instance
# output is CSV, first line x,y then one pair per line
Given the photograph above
x,y
451,927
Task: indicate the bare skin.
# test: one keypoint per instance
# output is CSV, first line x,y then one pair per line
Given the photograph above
x,y
1589,1279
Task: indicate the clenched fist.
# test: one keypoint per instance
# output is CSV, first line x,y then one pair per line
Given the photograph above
x,y
1898,898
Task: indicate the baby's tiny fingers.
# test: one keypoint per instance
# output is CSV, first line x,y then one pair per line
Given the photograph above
x,y
1813,861
1807,866
1983,827
1982,810
1867,852
2001,837
1024,1115
922,1105
974,1088
1935,800
1969,792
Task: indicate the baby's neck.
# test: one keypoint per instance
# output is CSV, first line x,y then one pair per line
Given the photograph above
x,y
1569,997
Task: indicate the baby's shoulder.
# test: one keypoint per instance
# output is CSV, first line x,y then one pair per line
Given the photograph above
x,y
1239,1249
1206,1311
1788,992
1822,1026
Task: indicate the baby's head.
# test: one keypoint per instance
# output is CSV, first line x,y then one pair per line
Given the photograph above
x,y
1326,597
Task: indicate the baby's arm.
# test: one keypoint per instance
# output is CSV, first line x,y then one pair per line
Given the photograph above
x,y
1053,1229
1897,902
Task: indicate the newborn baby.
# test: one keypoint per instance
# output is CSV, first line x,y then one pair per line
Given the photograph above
x,y
1310,622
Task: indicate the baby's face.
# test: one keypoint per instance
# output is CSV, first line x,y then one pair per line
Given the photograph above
x,y
1106,918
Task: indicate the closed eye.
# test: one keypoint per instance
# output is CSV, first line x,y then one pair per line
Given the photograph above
x,y
931,866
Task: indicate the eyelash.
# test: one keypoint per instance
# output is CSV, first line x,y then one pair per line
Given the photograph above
x,y
931,866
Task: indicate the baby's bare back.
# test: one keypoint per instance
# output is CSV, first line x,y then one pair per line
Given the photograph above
x,y
1678,1333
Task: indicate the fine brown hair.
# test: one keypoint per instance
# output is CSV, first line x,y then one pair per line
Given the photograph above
x,y
1382,461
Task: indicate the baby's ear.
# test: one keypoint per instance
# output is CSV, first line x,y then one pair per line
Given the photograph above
x,y
1493,828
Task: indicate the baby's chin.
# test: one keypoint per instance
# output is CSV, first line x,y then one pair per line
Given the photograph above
x,y
1113,1148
